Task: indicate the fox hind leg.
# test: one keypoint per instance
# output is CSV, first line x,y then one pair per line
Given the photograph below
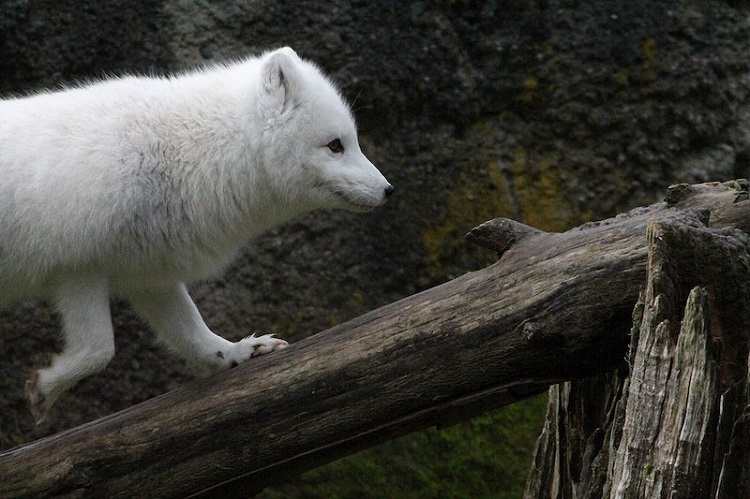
x,y
83,303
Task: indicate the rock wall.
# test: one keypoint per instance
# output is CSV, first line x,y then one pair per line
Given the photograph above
x,y
549,111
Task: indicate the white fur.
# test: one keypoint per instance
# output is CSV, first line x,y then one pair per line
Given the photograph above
x,y
135,186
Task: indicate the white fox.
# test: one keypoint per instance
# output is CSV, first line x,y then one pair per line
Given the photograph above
x,y
135,186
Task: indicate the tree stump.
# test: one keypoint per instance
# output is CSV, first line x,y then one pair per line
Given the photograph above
x,y
675,424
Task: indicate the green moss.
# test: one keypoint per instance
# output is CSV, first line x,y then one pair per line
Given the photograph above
x,y
648,46
488,456
529,92
473,200
622,77
540,191
648,469
527,186
646,66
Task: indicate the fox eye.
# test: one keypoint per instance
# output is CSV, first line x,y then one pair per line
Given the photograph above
x,y
335,146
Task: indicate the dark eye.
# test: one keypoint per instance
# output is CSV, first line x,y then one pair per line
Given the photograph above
x,y
335,146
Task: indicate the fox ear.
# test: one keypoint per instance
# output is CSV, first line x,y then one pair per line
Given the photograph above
x,y
281,76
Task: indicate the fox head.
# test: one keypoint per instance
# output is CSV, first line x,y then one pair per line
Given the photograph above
x,y
312,147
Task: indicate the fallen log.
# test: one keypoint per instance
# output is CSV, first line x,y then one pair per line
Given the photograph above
x,y
555,307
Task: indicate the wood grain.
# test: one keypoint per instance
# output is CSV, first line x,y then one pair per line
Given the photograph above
x,y
674,423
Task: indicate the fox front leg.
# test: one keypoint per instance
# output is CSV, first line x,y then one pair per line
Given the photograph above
x,y
178,324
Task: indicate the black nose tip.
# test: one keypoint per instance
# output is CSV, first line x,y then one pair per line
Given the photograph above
x,y
389,190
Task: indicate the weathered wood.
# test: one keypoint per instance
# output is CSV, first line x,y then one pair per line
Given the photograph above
x,y
555,307
676,424
500,234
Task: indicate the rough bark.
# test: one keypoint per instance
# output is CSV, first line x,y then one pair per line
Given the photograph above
x,y
554,308
675,423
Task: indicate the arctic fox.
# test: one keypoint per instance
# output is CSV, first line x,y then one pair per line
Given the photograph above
x,y
135,186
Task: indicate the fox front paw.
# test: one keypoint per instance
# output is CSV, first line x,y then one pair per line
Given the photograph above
x,y
250,347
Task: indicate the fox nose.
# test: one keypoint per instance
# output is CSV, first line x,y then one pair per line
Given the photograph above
x,y
389,190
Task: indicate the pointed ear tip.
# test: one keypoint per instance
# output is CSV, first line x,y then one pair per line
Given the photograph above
x,y
280,69
283,51
287,52
279,57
